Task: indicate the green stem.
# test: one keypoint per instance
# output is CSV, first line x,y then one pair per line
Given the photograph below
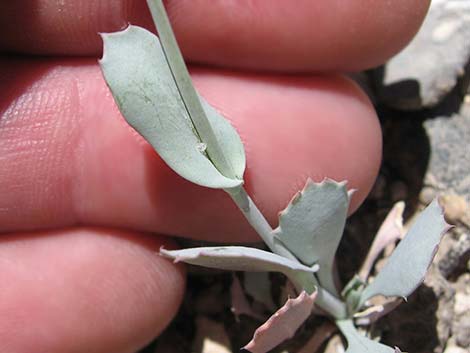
x,y
186,89
325,300
303,281
331,304
347,328
258,222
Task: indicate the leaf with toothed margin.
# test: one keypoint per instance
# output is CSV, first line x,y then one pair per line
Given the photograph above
x,y
312,225
358,343
408,264
282,325
237,258
143,85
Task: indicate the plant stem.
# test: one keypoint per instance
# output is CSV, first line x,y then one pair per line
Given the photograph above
x,y
328,302
347,328
258,222
332,305
304,281
186,89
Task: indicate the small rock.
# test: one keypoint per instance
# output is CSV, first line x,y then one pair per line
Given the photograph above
x,y
455,207
463,283
462,304
455,349
462,330
427,195
449,162
429,68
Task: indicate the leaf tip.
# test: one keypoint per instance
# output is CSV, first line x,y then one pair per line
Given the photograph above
x,y
168,254
331,181
351,192
248,347
106,37
439,202
282,324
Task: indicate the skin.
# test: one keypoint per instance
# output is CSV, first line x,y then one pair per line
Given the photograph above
x,y
85,202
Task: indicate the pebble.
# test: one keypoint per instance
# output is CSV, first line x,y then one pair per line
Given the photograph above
x,y
455,349
455,207
427,195
462,304
449,162
462,330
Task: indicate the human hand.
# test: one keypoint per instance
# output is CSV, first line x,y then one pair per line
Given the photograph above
x,y
80,191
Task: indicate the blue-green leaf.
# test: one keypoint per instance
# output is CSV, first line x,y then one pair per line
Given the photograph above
x,y
238,258
312,225
197,113
358,343
408,264
138,74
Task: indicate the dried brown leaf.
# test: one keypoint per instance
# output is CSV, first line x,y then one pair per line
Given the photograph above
x,y
282,324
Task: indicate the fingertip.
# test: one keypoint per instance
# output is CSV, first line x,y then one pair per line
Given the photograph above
x,y
85,290
310,36
306,35
292,128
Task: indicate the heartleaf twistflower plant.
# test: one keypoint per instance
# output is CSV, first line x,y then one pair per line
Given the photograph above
x,y
153,90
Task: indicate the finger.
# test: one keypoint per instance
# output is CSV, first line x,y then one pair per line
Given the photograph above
x,y
84,290
69,158
264,34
